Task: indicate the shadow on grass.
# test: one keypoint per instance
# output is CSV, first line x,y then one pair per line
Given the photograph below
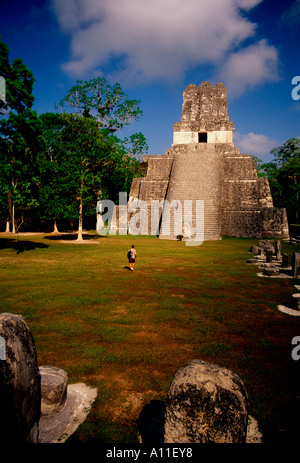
x,y
20,246
71,237
151,422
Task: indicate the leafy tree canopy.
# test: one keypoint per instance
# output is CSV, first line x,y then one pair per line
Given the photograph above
x,y
107,103
284,177
20,137
19,83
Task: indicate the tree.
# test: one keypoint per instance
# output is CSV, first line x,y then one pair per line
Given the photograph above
x,y
83,156
18,83
135,145
284,177
258,166
52,199
20,138
106,103
119,172
100,161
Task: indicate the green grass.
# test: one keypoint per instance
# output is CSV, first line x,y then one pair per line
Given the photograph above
x,y
127,333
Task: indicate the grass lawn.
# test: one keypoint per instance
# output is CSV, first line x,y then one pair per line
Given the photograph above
x,y
127,333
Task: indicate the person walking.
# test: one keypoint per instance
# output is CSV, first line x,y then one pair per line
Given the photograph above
x,y
131,257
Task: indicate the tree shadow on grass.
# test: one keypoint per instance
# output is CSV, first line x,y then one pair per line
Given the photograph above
x,y
20,246
71,237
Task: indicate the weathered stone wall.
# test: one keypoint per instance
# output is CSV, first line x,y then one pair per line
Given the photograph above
x,y
135,188
240,207
241,224
159,166
247,204
204,108
152,187
274,222
264,193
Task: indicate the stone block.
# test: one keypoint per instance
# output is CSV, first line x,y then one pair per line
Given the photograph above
x,y
296,299
266,246
271,271
54,384
278,249
20,390
285,260
296,264
206,404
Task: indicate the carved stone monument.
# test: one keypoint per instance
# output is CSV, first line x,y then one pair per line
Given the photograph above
x,y
296,264
269,256
285,260
278,250
206,404
20,390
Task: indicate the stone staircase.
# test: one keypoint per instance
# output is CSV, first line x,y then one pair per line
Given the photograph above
x,y
196,184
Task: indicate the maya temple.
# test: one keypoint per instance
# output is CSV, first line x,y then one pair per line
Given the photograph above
x,y
214,186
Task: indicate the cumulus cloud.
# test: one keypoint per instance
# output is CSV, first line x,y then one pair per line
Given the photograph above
x,y
250,67
254,144
155,39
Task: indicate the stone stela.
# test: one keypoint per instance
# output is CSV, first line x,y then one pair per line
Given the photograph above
x,y
203,164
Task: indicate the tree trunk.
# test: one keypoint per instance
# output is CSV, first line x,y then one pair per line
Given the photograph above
x,y
79,238
13,217
9,212
55,229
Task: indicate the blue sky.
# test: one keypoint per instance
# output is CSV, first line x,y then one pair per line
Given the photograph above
x,y
156,48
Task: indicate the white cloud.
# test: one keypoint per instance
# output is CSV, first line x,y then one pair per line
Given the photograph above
x,y
155,39
254,144
250,67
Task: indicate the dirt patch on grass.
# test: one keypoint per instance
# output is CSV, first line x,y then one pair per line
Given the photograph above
x,y
148,336
130,406
125,402
119,311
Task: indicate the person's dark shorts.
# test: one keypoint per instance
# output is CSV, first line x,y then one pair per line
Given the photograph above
x,y
131,260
